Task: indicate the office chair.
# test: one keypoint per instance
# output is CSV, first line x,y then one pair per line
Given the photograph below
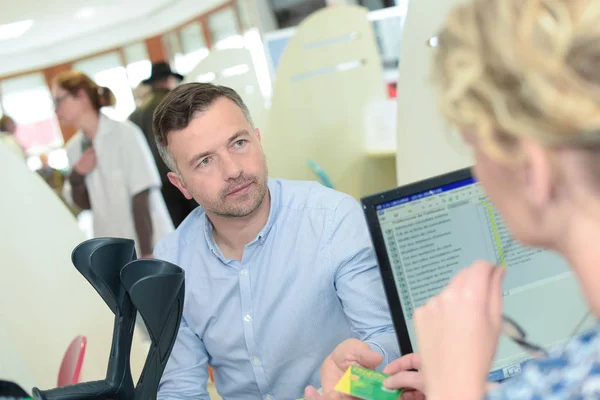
x,y
152,288
72,362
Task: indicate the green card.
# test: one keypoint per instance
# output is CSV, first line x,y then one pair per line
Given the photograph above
x,y
366,384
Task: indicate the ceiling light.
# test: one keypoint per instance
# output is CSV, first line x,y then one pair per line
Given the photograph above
x,y
15,29
85,13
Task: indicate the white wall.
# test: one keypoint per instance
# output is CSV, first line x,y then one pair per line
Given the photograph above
x,y
45,302
12,365
427,146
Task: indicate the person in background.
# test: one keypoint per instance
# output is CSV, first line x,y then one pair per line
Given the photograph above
x,y
53,177
162,81
278,272
140,94
113,172
8,128
521,81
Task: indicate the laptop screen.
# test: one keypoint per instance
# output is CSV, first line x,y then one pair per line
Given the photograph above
x,y
431,234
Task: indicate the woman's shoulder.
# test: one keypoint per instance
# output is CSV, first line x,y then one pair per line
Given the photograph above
x,y
119,125
124,130
572,371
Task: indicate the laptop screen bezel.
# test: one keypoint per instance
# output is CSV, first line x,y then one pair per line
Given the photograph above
x,y
369,204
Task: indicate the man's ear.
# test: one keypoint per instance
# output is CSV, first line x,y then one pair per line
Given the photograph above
x,y
176,181
257,131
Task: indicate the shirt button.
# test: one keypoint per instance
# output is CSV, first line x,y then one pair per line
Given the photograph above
x,y
255,361
247,318
244,272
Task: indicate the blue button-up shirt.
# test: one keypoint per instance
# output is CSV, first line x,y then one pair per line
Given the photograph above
x,y
265,324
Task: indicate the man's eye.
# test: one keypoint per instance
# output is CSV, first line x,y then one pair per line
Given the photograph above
x,y
239,143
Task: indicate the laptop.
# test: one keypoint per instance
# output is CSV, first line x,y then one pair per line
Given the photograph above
x,y
427,231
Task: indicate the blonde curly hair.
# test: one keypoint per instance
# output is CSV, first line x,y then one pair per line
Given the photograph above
x,y
510,69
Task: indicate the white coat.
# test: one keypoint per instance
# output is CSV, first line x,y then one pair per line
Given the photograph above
x,y
124,168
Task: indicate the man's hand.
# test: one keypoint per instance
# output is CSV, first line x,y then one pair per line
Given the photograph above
x,y
349,352
458,332
86,163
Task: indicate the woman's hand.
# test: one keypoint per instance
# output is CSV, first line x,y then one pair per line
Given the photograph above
x,y
86,163
401,377
458,332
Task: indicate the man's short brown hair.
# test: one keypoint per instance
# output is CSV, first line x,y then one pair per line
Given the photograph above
x,y
181,106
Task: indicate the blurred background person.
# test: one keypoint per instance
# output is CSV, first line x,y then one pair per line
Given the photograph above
x,y
113,172
161,82
140,94
53,177
8,128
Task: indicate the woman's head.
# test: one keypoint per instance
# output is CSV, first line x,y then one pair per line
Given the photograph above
x,y
521,80
76,94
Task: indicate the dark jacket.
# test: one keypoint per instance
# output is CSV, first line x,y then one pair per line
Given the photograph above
x,y
142,117
179,207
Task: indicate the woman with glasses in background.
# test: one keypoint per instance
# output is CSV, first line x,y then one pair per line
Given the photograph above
x,y
113,172
521,80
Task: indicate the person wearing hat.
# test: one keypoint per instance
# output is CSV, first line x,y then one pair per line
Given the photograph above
x,y
161,81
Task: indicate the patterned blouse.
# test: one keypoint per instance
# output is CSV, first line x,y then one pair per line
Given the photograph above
x,y
571,372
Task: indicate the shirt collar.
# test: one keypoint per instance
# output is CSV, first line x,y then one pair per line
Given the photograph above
x,y
103,124
275,193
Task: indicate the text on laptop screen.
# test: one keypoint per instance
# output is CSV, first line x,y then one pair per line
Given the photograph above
x,y
430,236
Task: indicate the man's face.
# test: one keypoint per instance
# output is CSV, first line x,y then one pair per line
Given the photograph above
x,y
221,161
172,82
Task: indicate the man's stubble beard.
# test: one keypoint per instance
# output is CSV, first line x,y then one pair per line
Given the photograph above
x,y
262,188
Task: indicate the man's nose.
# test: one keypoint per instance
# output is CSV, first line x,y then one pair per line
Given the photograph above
x,y
231,167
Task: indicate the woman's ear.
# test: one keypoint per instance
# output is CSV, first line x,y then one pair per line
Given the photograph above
x,y
81,94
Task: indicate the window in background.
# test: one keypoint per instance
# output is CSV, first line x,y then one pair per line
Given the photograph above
x,y
138,63
224,30
193,48
108,70
388,24
172,46
28,101
373,5
247,14
254,44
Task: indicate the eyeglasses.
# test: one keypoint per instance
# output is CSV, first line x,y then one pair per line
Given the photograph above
x,y
515,333
58,100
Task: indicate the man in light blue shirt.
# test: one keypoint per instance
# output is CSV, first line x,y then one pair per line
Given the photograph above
x,y
278,273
